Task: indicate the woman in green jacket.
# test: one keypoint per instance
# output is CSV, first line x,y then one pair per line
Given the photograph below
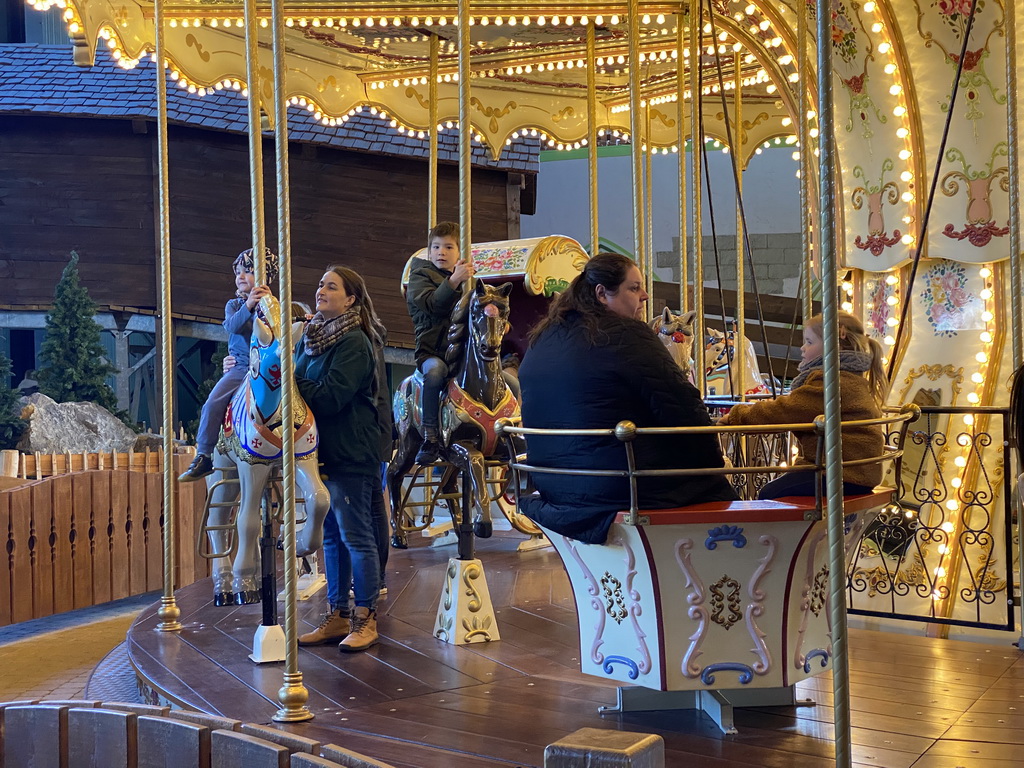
x,y
337,375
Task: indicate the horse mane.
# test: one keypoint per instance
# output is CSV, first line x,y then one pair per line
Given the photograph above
x,y
458,331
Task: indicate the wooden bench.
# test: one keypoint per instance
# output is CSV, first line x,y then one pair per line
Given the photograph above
x,y
727,596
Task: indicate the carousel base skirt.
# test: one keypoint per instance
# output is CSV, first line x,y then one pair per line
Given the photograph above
x,y
415,702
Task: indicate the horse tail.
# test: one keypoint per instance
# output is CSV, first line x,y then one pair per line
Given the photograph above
x,y
1017,412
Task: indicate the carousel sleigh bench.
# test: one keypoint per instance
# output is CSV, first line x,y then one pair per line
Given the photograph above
x,y
716,605
709,606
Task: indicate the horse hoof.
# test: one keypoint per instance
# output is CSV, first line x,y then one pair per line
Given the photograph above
x,y
249,597
221,599
482,529
399,543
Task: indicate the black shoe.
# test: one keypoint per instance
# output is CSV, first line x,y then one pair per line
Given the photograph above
x,y
428,453
201,466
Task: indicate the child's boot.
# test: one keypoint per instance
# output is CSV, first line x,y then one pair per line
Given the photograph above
x,y
201,466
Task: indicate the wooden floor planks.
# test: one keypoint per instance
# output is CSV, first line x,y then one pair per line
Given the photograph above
x,y
412,701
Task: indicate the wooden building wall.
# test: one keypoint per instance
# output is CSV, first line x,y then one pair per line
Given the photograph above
x,y
89,185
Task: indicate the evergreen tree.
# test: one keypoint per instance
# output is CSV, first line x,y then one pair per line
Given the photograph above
x,y
11,424
73,364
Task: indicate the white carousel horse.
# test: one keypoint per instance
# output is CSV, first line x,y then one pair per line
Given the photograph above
x,y
676,333
250,444
720,357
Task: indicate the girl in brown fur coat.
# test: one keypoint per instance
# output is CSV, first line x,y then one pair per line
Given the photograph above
x,y
862,388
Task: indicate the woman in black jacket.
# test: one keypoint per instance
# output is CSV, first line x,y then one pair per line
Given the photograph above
x,y
591,364
336,373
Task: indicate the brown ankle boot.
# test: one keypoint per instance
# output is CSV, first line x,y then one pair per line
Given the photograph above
x,y
364,631
334,625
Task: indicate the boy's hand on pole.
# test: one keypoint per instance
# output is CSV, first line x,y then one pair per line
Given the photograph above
x,y
462,272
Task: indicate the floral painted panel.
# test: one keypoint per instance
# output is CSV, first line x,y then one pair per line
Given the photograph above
x,y
869,141
949,305
970,218
877,293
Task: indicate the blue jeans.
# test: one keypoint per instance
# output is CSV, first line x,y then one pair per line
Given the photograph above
x,y
350,547
381,526
435,374
802,484
216,406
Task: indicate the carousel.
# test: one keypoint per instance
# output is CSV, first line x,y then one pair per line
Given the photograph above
x,y
904,124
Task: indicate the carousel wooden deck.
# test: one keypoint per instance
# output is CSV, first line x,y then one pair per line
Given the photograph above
x,y
415,702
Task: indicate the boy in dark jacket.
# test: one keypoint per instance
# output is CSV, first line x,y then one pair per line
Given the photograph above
x,y
435,286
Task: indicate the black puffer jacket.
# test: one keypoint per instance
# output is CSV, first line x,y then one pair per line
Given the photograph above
x,y
570,383
431,299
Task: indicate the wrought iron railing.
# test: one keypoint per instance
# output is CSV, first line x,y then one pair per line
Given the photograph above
x,y
944,552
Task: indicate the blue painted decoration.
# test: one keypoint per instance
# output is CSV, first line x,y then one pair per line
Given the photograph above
x,y
634,670
707,675
816,653
731,533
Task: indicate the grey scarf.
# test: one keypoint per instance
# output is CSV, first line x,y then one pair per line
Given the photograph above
x,y
849,360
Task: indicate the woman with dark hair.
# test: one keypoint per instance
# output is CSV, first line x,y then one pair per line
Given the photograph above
x,y
592,363
337,374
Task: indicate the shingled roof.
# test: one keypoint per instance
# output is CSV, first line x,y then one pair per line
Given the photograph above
x,y
43,80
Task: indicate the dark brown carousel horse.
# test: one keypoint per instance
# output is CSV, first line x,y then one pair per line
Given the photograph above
x,y
475,399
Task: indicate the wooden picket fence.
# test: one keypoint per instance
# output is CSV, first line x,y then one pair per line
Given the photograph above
x,y
40,465
88,537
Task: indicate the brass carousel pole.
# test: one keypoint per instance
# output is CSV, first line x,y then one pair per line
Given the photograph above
x,y
1013,140
681,122
293,694
833,416
255,140
636,133
696,192
168,612
648,213
435,45
592,135
741,283
465,137
1013,162
803,129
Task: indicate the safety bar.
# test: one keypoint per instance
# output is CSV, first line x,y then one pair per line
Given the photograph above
x,y
627,432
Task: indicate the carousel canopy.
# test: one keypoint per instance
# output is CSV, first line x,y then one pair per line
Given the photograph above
x,y
895,65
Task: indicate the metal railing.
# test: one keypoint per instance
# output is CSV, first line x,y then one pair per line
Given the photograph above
x,y
943,553
894,423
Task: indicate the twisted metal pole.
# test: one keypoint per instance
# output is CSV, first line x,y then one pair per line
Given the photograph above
x,y
681,123
803,129
292,694
168,612
435,46
592,135
636,134
833,416
252,76
465,136
696,192
1013,145
648,212
736,372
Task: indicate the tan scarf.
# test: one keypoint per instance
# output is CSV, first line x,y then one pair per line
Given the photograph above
x,y
322,334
